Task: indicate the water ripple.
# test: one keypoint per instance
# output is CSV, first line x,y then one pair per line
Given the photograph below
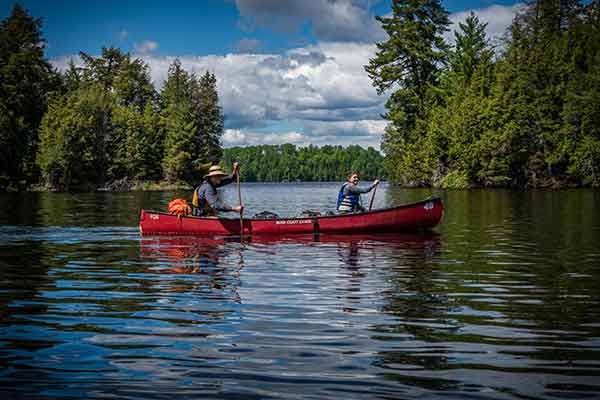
x,y
489,307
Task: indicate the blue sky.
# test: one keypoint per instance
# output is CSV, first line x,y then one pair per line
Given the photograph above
x,y
288,70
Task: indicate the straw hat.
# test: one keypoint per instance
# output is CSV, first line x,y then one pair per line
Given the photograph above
x,y
215,170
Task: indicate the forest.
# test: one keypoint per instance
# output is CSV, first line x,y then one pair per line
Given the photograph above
x,y
524,113
288,163
102,123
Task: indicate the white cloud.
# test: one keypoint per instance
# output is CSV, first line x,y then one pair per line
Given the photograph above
x,y
123,34
237,137
362,128
365,133
321,82
147,46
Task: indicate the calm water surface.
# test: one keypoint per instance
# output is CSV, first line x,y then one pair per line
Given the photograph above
x,y
501,301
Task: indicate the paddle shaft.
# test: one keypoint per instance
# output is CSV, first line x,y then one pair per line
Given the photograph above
x,y
373,197
239,190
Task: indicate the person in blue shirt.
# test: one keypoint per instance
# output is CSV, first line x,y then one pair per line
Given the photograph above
x,y
349,194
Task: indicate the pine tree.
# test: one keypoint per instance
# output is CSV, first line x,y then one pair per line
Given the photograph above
x,y
210,117
175,90
179,160
194,123
116,71
411,58
472,48
181,144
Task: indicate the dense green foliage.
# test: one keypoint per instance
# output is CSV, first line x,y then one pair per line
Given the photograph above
x,y
527,115
272,163
110,113
26,79
194,123
102,121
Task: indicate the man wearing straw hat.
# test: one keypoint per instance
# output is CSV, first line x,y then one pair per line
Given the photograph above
x,y
206,199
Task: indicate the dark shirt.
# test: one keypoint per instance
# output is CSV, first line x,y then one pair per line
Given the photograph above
x,y
207,193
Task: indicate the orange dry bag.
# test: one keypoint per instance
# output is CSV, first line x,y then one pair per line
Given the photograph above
x,y
179,207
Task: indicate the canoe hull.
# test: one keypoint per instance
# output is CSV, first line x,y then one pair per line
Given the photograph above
x,y
411,217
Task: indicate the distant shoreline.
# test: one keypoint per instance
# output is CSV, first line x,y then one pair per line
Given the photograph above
x,y
163,186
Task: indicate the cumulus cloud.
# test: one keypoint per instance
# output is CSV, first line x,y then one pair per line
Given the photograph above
x,y
320,132
330,20
362,128
320,82
247,46
238,137
497,17
147,46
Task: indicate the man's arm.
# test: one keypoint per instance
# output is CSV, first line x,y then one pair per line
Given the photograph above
x,y
227,180
358,190
233,177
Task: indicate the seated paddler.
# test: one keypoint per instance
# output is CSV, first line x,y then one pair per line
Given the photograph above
x,y
349,195
206,200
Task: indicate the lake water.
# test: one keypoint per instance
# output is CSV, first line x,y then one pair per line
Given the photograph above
x,y
501,301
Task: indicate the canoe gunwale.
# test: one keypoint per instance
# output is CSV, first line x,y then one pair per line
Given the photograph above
x,y
380,210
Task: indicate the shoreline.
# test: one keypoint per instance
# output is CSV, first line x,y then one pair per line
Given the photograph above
x,y
163,186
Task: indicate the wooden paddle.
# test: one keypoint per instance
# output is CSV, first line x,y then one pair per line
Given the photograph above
x,y
373,197
239,190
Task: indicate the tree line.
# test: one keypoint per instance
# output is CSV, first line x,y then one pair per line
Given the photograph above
x,y
281,163
101,121
522,114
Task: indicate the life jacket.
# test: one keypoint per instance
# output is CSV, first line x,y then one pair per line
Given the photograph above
x,y
206,210
349,202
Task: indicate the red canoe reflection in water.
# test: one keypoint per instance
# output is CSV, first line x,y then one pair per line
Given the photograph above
x,y
190,253
219,262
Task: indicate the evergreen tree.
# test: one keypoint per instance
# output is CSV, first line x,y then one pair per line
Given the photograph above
x,y
116,71
75,138
410,59
181,143
179,160
194,123
210,117
103,69
175,90
408,62
471,49
26,79
72,77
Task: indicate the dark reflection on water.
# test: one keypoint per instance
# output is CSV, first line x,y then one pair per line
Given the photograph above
x,y
500,302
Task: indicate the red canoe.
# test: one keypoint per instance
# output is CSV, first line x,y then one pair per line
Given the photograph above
x,y
410,217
